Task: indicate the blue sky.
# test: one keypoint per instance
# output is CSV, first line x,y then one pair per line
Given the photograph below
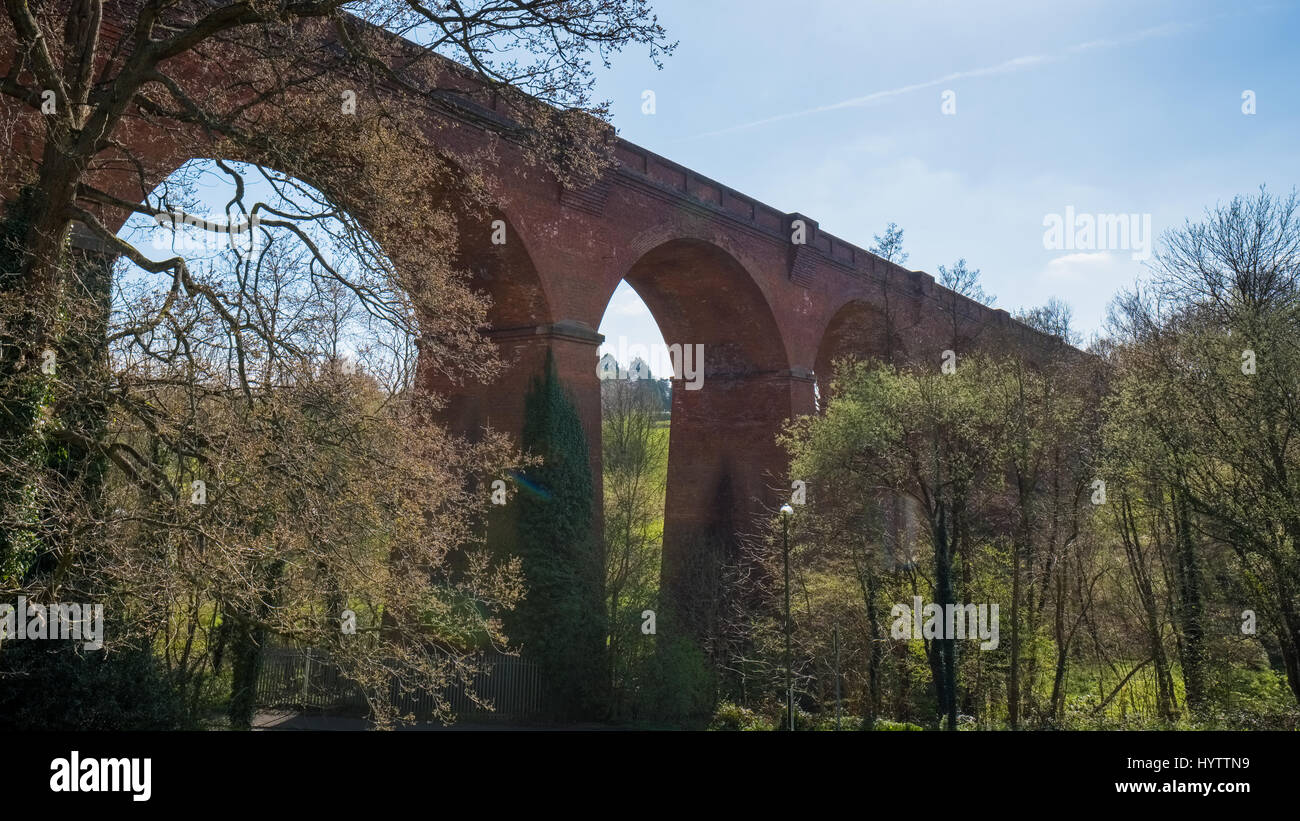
x,y
833,109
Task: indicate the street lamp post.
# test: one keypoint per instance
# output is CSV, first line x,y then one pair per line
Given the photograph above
x,y
786,513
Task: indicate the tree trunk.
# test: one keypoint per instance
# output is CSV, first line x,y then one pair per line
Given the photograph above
x,y
1013,678
946,683
1191,606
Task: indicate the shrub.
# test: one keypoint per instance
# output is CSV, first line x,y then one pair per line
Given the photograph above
x,y
730,716
60,686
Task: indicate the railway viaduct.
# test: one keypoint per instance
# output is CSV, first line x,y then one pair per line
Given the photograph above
x,y
773,299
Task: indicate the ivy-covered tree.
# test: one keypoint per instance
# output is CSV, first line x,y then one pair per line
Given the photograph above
x,y
561,621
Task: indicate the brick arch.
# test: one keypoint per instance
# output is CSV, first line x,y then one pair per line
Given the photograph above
x,y
166,160
682,227
519,316
723,460
858,330
506,273
699,292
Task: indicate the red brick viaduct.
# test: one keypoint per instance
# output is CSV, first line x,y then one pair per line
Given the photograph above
x,y
715,267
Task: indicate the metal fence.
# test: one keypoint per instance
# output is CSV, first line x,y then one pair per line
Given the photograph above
x,y
306,678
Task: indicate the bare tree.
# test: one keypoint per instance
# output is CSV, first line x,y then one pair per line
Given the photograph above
x,y
890,246
121,387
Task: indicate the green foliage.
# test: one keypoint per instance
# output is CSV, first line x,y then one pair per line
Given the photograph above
x,y
1201,429
936,484
24,393
560,623
918,440
60,686
47,419
635,462
678,684
883,725
1132,515
730,716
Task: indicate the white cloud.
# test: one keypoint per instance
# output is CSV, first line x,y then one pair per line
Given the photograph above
x,y
1078,266
629,305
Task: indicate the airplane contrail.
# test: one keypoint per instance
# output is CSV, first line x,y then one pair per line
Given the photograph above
x,y
1005,67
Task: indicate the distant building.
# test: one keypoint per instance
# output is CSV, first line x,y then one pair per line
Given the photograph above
x,y
635,377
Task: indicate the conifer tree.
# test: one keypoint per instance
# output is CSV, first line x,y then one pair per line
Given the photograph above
x,y
560,623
